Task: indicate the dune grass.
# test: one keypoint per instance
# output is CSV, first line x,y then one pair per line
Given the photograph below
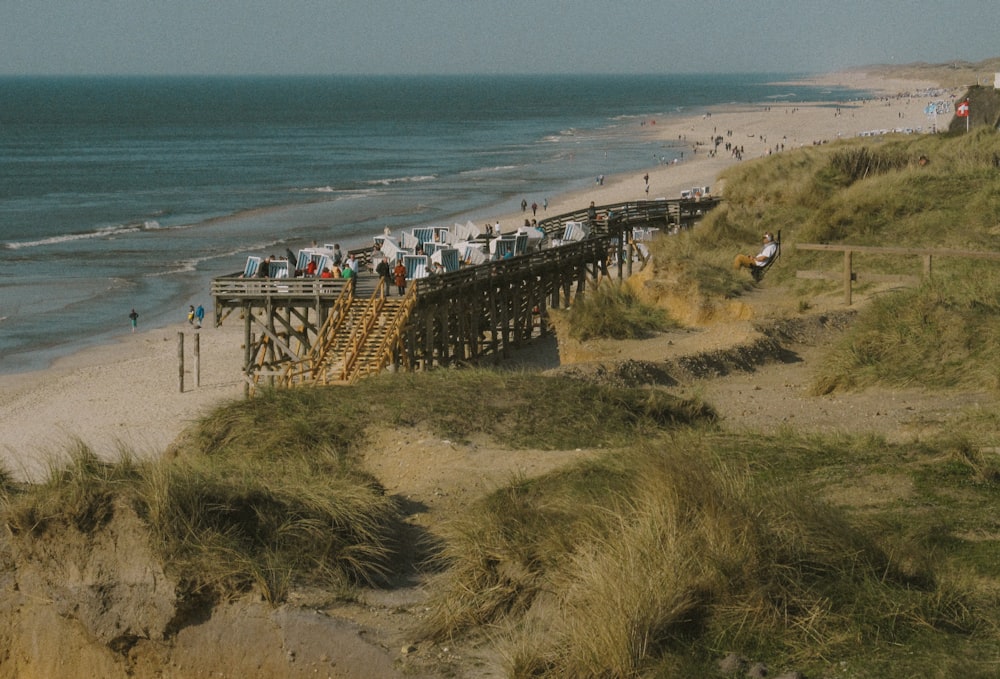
x,y
268,494
680,544
611,310
655,561
223,527
872,192
940,335
658,560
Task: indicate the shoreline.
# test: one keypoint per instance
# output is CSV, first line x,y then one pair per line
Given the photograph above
x,y
893,97
123,395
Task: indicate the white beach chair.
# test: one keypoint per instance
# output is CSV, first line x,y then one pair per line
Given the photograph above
x,y
391,250
251,267
574,231
447,258
503,246
423,234
409,241
472,253
463,232
278,268
520,243
416,266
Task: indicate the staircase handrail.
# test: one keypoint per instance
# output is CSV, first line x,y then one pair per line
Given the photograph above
x,y
393,331
313,360
361,329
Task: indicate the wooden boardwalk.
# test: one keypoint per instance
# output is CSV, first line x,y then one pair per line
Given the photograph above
x,y
310,330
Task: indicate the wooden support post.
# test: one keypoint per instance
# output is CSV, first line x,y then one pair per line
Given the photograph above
x,y
504,322
197,359
180,362
494,316
516,314
448,334
411,333
475,315
428,341
247,349
848,276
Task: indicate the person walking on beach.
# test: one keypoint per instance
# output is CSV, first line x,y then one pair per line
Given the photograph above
x,y
199,316
191,314
134,319
399,274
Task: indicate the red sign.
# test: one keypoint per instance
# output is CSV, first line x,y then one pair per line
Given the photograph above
x,y
963,109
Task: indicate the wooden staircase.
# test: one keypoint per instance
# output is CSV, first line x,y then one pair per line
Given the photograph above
x,y
360,338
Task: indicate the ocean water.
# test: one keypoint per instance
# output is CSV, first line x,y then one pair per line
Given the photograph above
x,y
121,193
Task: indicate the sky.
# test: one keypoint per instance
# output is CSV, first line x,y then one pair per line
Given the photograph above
x,y
291,37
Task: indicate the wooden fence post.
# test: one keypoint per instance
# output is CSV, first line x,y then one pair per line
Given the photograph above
x,y
197,359
848,276
180,362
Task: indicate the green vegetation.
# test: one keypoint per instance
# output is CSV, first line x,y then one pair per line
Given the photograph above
x,y
611,310
656,560
941,334
268,493
671,542
675,545
872,193
223,523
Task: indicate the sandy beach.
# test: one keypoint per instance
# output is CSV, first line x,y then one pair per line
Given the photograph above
x,y
125,396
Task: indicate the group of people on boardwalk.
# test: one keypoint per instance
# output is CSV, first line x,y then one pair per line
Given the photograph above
x,y
396,274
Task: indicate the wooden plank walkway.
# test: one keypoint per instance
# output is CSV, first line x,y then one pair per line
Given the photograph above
x,y
330,331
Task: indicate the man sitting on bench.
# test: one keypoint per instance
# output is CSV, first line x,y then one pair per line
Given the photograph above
x,y
762,259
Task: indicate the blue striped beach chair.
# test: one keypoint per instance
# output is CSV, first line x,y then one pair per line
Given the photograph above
x,y
416,266
250,269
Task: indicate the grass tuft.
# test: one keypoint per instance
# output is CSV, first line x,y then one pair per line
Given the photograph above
x,y
651,560
611,310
